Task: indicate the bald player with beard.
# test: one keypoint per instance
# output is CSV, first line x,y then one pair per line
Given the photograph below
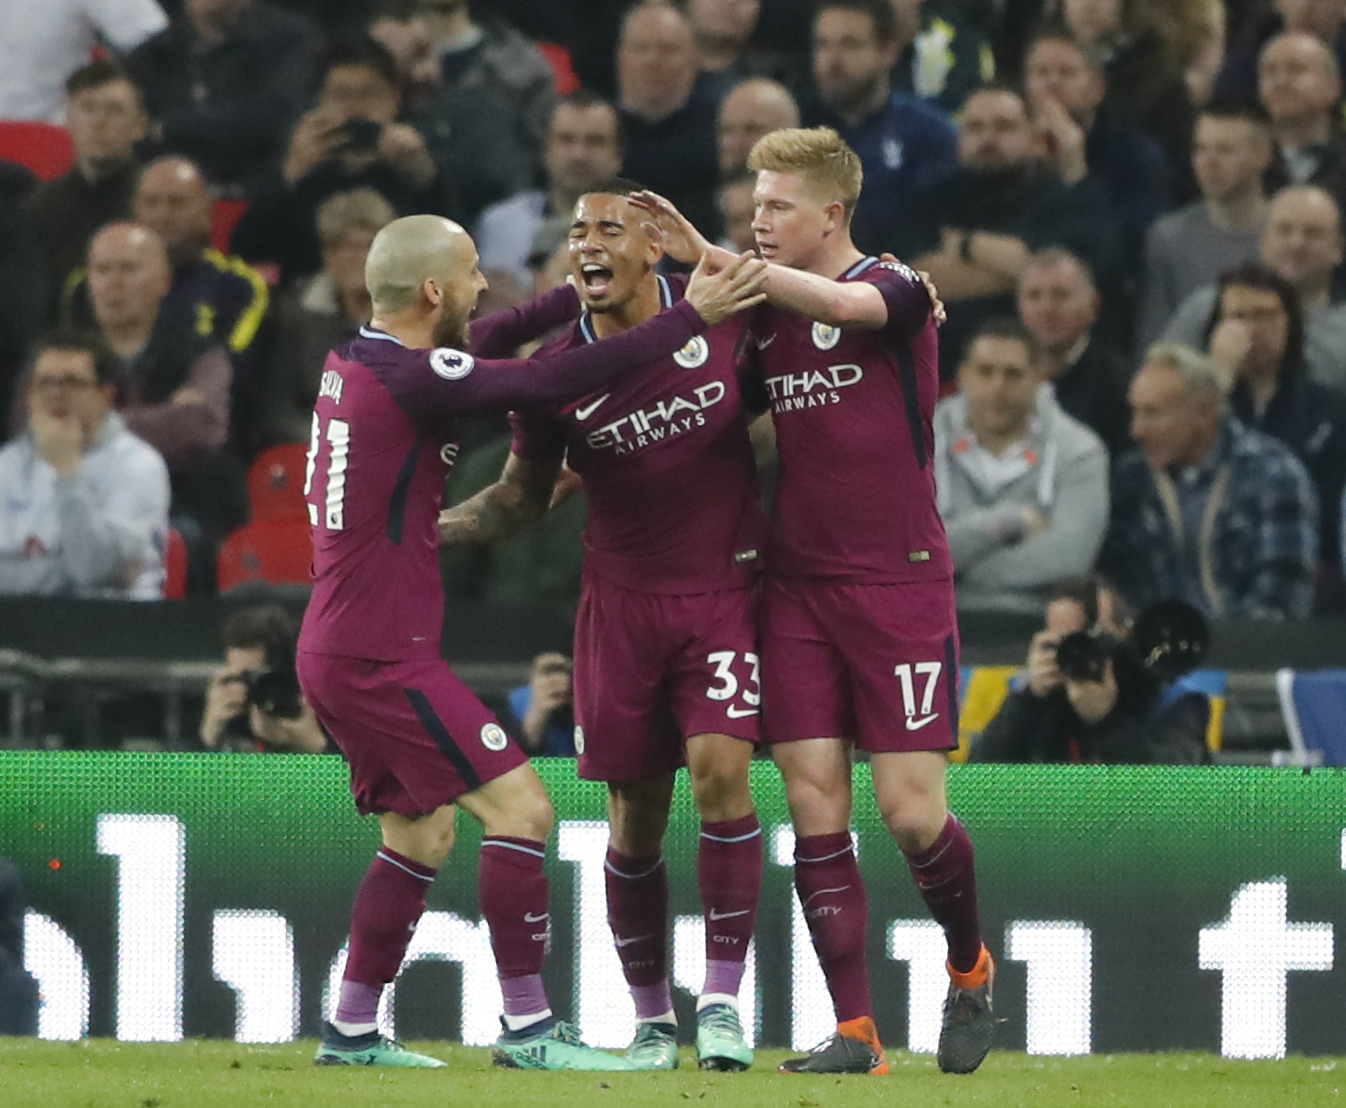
x,y
418,741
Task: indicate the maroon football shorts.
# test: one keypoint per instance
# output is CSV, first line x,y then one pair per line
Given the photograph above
x,y
652,670
875,664
415,736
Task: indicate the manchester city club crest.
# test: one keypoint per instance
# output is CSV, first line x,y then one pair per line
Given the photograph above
x,y
825,336
493,737
694,354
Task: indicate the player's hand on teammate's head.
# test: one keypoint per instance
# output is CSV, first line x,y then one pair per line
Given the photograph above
x,y
716,296
682,242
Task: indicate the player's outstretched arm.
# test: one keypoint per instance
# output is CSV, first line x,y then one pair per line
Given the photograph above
x,y
518,499
500,334
841,304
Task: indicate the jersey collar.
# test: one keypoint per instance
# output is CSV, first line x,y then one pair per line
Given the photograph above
x,y
586,317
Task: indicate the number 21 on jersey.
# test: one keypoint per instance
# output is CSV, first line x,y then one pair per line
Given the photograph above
x,y
334,502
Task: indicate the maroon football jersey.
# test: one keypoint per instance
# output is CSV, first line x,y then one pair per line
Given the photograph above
x,y
668,468
383,443
853,410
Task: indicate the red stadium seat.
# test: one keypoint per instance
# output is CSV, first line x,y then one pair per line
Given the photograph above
x,y
276,484
558,57
44,148
175,566
223,220
275,551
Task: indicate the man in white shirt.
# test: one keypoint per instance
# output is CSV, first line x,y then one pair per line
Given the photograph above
x,y
43,43
83,502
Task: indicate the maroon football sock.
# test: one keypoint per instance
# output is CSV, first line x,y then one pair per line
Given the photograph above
x,y
946,877
638,915
387,905
729,876
832,895
512,891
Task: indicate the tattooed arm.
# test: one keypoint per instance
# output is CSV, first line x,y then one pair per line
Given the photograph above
x,y
519,498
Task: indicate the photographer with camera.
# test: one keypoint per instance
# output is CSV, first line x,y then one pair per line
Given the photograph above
x,y
254,702
1098,690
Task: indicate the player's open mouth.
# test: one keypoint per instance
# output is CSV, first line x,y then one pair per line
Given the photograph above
x,y
766,249
597,279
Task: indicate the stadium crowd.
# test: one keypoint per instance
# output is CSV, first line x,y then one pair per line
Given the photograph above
x,y
1132,210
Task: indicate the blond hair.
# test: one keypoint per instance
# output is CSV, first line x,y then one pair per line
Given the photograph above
x,y
348,213
830,168
1200,372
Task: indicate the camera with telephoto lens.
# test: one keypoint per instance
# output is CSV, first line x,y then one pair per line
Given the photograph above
x,y
1167,640
273,687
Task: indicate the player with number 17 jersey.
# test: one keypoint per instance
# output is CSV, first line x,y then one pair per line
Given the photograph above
x,y
859,576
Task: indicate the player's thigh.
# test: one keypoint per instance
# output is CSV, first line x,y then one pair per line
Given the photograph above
x,y
638,814
624,727
817,775
900,644
909,789
805,688
426,839
515,805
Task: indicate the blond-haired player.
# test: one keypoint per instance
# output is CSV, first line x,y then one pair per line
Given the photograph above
x,y
858,630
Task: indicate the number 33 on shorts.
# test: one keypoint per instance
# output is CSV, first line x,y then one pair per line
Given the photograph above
x,y
748,694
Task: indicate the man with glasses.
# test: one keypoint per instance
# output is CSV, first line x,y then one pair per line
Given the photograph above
x,y
85,502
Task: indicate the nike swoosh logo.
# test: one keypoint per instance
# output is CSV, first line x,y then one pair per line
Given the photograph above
x,y
528,917
715,916
633,939
589,409
914,724
739,713
762,344
823,892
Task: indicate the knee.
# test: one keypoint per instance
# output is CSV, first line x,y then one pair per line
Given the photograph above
x,y
537,816
914,819
722,793
818,805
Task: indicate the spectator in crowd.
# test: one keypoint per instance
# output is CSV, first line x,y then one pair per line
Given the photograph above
x,y
323,312
1302,242
1023,488
1126,717
904,144
667,109
219,297
19,996
1082,139
543,710
351,140
1059,303
728,47
974,234
260,639
737,211
583,147
485,60
173,388
941,54
1145,85
749,110
1325,20
22,290
1190,247
1205,509
1299,85
86,501
477,129
224,81
44,43
105,119
1256,334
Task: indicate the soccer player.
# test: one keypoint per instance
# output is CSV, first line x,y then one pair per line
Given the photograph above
x,y
858,629
666,669
417,740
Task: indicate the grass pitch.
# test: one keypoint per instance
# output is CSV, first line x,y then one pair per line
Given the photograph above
x,y
214,1074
